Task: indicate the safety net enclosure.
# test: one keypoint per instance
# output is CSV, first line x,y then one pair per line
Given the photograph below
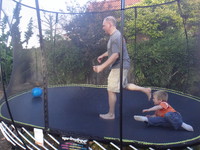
x,y
56,49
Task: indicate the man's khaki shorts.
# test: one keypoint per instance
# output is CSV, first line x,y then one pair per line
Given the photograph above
x,y
114,80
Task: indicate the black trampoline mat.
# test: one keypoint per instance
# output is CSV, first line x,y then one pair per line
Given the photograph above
x,y
76,110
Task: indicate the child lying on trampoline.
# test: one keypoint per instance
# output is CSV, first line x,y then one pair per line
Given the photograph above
x,y
165,115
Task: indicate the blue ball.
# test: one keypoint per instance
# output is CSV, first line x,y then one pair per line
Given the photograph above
x,y
36,92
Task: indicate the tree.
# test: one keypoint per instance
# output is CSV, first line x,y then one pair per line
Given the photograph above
x,y
191,16
21,73
29,32
161,53
5,49
85,31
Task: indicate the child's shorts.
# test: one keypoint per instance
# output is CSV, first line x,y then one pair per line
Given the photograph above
x,y
114,80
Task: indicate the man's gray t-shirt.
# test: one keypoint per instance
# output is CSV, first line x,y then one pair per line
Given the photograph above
x,y
114,46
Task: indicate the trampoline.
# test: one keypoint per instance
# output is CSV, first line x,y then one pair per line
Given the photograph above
x,y
74,111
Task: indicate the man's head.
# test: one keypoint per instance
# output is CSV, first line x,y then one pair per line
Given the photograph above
x,y
109,24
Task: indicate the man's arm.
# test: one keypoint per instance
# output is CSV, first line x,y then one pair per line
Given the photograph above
x,y
99,59
107,63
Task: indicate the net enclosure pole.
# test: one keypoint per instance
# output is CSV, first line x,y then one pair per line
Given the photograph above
x,y
121,73
45,95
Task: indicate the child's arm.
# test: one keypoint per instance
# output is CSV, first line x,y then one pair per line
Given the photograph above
x,y
157,107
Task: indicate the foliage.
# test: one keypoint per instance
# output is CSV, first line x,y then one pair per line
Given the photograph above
x,y
5,51
77,52
29,32
15,31
153,22
191,14
162,54
21,73
64,63
162,48
161,65
85,32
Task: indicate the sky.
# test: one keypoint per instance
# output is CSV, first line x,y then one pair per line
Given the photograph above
x,y
50,5
27,13
53,5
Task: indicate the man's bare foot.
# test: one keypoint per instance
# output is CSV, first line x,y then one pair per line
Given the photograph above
x,y
148,93
107,116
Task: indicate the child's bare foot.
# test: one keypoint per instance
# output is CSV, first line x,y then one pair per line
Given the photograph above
x,y
107,116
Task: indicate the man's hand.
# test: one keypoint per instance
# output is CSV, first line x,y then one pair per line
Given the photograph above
x,y
98,68
99,59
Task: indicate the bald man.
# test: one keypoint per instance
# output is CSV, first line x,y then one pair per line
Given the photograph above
x,y
114,47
